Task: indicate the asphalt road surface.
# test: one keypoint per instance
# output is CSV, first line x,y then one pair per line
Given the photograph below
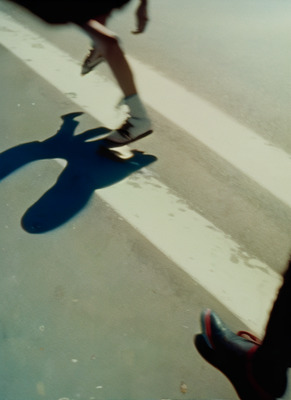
x,y
106,266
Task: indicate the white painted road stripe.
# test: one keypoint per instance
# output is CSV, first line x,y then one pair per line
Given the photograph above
x,y
245,286
264,163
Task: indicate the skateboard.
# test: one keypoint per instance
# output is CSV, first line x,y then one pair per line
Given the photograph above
x,y
119,153
123,152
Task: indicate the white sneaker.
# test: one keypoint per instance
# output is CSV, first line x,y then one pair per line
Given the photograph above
x,y
137,126
133,129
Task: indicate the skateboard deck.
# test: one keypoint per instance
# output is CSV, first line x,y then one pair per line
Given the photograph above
x,y
121,153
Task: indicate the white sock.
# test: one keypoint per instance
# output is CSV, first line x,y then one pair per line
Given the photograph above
x,y
136,107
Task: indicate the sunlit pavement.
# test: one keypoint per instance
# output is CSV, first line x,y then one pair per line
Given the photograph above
x,y
91,309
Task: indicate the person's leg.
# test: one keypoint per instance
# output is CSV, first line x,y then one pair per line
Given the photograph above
x,y
273,357
138,124
94,57
258,370
107,44
233,355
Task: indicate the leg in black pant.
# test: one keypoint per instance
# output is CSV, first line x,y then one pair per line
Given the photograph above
x,y
257,370
275,351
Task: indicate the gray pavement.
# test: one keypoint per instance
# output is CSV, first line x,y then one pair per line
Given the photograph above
x,y
91,309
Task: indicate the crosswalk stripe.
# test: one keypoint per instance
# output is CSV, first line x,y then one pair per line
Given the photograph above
x,y
267,165
242,283
245,285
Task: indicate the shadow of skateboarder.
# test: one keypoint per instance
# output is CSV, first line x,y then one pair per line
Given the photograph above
x,y
87,170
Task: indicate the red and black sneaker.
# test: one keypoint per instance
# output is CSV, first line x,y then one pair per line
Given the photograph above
x,y
233,355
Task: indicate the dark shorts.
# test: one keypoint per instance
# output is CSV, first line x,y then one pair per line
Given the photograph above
x,y
63,11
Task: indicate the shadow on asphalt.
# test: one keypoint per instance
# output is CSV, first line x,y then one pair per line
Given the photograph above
x,y
86,171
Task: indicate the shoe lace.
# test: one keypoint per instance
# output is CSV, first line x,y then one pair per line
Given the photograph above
x,y
123,130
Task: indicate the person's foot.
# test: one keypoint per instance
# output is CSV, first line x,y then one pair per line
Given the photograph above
x,y
133,129
233,354
93,59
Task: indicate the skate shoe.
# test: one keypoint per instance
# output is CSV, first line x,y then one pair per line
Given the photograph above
x,y
136,127
91,61
133,129
233,355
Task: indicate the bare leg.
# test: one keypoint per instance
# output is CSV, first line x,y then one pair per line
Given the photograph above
x,y
138,124
94,57
107,44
